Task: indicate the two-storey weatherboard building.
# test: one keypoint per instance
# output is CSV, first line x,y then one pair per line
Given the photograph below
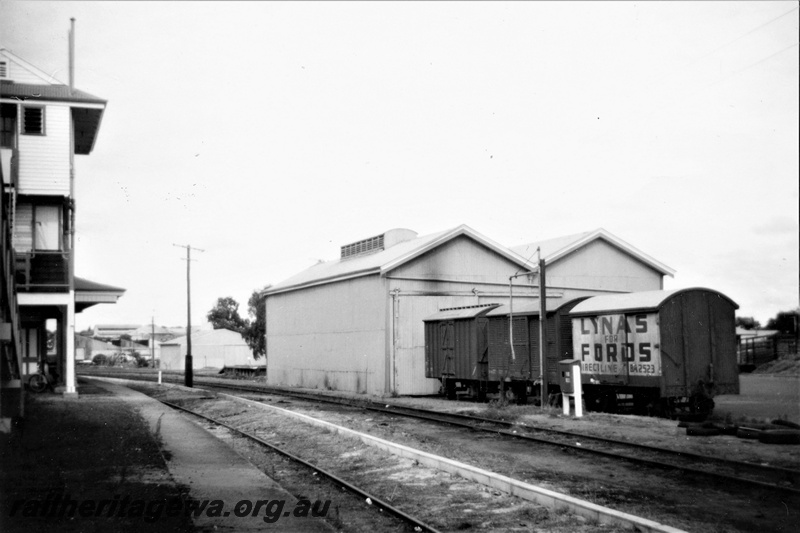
x,y
44,124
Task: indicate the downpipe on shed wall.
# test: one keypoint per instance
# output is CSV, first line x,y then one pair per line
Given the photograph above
x,y
393,363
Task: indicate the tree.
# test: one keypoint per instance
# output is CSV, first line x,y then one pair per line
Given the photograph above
x,y
225,315
747,322
256,332
785,321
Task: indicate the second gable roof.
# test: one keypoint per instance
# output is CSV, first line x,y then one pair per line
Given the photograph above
x,y
553,250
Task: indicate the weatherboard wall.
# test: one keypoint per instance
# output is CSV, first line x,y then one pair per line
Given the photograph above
x,y
44,160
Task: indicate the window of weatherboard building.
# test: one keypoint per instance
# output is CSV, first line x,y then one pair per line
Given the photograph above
x,y
37,227
33,120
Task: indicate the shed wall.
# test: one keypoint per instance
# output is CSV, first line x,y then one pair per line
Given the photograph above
x,y
331,336
171,357
602,266
461,259
213,349
459,273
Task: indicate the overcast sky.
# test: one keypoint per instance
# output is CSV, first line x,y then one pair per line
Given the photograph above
x,y
271,133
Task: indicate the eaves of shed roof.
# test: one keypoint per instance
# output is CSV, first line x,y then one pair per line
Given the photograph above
x,y
380,263
634,301
553,250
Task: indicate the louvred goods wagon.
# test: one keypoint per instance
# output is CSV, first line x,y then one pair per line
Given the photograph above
x,y
666,352
467,348
519,370
456,349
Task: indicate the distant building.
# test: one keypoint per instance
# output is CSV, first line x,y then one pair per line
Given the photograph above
x,y
754,347
114,331
140,333
210,349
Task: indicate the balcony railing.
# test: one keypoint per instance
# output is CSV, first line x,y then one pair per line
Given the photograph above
x,y
42,271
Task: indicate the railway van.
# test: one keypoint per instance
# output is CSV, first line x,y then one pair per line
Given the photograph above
x,y
653,352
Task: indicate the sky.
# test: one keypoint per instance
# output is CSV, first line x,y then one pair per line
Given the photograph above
x,y
269,134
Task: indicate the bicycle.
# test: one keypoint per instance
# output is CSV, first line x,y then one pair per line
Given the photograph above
x,y
40,381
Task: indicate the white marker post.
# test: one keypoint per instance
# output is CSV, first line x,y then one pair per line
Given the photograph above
x,y
571,386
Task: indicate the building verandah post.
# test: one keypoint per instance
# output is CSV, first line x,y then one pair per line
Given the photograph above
x,y
69,332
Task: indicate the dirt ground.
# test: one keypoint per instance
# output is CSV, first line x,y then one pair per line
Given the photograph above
x,y
788,365
686,503
75,451
640,429
446,502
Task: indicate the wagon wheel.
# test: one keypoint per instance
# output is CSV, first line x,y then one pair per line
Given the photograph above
x,y
521,393
482,386
665,408
591,400
701,405
608,402
449,388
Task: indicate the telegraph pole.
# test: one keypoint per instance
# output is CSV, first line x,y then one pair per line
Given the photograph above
x,y
543,331
153,340
188,378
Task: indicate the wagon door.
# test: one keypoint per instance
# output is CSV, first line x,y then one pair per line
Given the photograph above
x,y
481,371
498,349
520,366
447,349
673,368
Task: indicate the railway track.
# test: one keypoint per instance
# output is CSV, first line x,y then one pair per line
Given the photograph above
x,y
724,471
560,513
378,504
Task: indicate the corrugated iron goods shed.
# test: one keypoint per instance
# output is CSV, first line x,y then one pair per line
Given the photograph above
x,y
356,323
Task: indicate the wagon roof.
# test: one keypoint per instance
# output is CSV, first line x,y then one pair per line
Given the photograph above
x,y
530,307
460,312
635,301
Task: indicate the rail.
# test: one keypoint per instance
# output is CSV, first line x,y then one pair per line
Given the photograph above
x,y
563,438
